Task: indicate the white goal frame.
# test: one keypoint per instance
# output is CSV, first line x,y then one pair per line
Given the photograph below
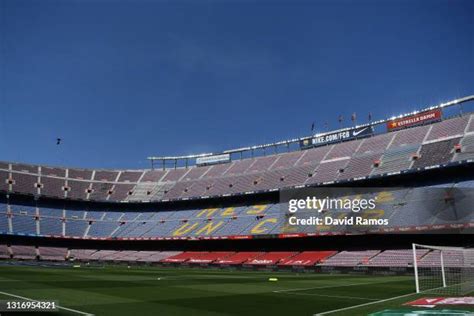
x,y
448,270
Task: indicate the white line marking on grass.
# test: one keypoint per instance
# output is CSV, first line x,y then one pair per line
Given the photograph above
x,y
376,302
332,286
337,296
205,276
364,304
318,287
33,300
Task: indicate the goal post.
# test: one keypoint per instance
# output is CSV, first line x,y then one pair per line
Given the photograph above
x,y
443,270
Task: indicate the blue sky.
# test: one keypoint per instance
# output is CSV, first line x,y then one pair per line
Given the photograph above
x,y
122,80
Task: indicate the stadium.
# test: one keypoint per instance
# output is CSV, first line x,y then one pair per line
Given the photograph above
x,y
227,158
213,227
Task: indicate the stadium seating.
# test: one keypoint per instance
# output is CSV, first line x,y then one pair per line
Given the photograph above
x,y
271,258
450,259
341,161
410,136
350,258
4,178
402,258
52,187
266,219
152,256
307,258
345,149
395,258
82,254
239,258
467,148
411,149
397,159
328,171
182,257
24,252
26,225
53,253
360,166
448,128
436,153
198,257
5,252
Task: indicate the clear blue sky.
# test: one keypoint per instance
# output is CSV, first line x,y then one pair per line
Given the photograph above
x,y
122,80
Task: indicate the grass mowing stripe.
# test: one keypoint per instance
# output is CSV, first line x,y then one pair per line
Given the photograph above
x,y
122,292
33,300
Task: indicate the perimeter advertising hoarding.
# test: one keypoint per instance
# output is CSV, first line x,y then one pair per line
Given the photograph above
x,y
413,120
337,137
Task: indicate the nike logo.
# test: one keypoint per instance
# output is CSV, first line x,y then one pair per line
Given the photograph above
x,y
355,133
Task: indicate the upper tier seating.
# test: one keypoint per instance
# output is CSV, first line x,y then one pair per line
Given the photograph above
x,y
410,136
467,148
448,128
397,159
436,153
417,147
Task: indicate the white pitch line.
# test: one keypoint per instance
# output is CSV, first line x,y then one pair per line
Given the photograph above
x,y
364,304
332,286
319,287
337,296
376,302
197,277
32,300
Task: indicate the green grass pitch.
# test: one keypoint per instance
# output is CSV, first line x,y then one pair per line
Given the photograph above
x,y
116,290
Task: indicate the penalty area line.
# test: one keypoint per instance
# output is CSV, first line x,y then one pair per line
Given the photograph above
x,y
336,296
364,304
33,300
331,286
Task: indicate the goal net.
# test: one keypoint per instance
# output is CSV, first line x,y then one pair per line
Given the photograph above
x,y
443,270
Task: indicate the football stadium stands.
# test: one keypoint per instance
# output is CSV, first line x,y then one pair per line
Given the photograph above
x,y
307,258
351,258
395,258
24,252
93,206
414,148
271,258
53,253
239,258
397,204
5,252
402,258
